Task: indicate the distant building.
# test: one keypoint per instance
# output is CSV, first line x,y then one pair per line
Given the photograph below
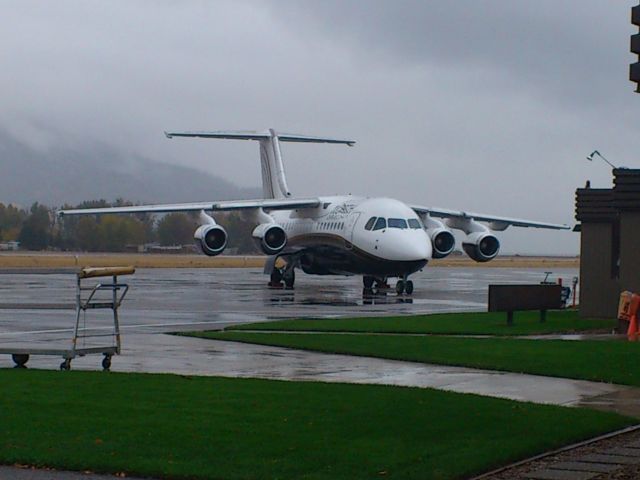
x,y
609,243
9,246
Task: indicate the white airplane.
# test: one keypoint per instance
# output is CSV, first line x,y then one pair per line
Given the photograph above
x,y
378,238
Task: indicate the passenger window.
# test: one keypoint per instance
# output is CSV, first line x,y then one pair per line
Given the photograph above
x,y
369,224
380,224
414,223
397,223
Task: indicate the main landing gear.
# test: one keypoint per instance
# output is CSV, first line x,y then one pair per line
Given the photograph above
x,y
373,285
275,280
403,286
286,274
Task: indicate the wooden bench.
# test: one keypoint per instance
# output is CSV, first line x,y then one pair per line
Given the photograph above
x,y
512,298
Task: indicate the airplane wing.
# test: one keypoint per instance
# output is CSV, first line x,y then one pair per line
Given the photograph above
x,y
495,223
267,204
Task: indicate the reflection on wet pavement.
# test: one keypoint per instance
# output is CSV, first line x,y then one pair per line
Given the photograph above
x,y
224,296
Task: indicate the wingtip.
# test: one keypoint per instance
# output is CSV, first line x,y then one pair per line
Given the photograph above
x,y
167,134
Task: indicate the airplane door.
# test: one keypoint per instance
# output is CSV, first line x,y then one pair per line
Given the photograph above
x,y
350,225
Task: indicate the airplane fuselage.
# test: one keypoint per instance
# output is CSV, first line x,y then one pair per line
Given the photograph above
x,y
349,235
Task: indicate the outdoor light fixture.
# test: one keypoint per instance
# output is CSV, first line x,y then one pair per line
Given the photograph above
x,y
596,152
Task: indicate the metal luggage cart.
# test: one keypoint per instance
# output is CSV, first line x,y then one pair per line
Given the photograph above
x,y
101,295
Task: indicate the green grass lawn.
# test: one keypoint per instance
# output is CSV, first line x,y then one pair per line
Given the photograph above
x,y
605,361
525,323
197,427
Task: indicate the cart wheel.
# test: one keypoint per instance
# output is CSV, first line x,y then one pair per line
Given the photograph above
x,y
106,363
66,364
20,359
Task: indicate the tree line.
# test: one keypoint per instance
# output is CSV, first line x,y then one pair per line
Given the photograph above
x,y
39,228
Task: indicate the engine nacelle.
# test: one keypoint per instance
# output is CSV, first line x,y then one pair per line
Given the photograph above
x,y
271,237
212,239
481,246
442,241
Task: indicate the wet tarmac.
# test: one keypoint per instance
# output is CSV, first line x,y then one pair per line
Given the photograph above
x,y
167,300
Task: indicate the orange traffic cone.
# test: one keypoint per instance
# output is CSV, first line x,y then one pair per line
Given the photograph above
x,y
632,332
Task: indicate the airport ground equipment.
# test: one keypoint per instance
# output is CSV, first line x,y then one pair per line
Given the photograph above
x,y
565,292
513,298
102,295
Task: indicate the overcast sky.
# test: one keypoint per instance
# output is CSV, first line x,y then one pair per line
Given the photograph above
x,y
486,106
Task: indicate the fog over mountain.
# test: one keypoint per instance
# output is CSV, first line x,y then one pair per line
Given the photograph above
x,y
55,176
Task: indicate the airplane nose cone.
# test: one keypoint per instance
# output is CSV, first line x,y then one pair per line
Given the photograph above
x,y
409,247
418,251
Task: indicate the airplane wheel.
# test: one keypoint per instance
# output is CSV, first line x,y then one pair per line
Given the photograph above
x,y
106,363
290,279
408,288
368,282
66,365
20,359
276,278
400,287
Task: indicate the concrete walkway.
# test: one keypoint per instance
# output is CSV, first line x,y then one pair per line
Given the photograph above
x,y
163,353
16,473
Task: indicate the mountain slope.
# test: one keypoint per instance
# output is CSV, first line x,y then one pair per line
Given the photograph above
x,y
69,176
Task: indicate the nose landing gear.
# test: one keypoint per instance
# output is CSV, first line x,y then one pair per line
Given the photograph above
x,y
404,286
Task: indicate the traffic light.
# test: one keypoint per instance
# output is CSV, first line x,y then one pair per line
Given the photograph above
x,y
634,68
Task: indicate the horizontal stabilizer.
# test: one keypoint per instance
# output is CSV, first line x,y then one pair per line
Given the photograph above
x,y
227,135
249,135
289,137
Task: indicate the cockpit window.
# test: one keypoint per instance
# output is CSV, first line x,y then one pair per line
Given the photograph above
x,y
369,224
380,224
414,223
397,223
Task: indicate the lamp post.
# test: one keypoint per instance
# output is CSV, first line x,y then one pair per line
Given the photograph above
x,y
596,152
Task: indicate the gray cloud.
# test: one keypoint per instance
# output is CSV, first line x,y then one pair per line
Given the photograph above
x,y
479,105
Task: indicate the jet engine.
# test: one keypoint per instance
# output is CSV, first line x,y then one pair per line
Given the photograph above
x,y
481,246
212,239
442,241
271,237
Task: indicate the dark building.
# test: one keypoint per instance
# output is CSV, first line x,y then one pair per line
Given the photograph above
x,y
609,244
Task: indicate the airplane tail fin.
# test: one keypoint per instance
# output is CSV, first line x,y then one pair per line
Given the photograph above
x,y
274,182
